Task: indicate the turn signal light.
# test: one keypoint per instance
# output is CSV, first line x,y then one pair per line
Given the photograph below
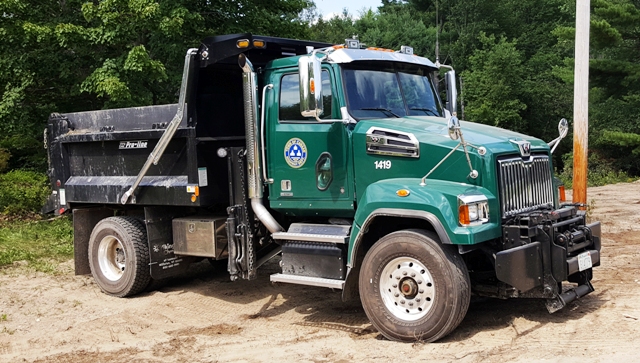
x,y
242,43
463,214
403,193
561,194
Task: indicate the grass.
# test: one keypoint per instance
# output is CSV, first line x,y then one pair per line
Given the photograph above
x,y
43,244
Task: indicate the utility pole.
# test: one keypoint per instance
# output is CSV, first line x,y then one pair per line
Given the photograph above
x,y
581,102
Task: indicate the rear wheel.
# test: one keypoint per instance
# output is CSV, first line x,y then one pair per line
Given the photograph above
x,y
413,288
119,256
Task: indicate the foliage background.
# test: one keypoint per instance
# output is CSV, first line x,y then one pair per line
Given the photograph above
x,y
514,58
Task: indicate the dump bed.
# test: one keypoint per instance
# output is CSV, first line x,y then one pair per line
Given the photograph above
x,y
95,156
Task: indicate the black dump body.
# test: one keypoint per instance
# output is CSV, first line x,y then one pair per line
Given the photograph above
x,y
95,156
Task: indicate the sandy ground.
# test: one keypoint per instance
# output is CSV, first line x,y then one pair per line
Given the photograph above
x,y
206,318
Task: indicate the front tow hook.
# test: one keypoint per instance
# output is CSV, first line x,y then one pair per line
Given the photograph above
x,y
568,296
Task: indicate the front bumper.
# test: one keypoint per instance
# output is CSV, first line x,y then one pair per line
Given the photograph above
x,y
541,250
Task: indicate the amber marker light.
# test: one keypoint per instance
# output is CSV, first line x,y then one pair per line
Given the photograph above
x,y
463,214
562,195
403,193
193,198
312,86
242,43
258,43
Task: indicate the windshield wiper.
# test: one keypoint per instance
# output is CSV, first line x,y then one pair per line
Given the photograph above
x,y
385,110
425,110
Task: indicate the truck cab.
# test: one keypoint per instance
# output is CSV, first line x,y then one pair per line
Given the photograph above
x,y
342,161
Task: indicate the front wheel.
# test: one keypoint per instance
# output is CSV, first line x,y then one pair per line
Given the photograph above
x,y
413,288
119,256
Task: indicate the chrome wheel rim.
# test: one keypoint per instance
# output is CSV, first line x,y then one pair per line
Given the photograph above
x,y
407,288
111,258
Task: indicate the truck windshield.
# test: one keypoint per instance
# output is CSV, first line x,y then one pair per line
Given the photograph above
x,y
390,91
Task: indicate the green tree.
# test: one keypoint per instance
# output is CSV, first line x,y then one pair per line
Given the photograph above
x,y
493,86
614,96
334,30
37,75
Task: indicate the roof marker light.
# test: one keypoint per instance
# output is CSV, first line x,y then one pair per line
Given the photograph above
x,y
352,43
406,50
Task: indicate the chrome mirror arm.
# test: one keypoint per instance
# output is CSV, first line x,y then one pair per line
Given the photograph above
x,y
455,132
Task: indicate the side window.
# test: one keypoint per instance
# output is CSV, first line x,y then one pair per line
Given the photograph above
x,y
290,98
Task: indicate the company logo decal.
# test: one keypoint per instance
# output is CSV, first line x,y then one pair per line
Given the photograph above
x,y
295,153
524,146
142,144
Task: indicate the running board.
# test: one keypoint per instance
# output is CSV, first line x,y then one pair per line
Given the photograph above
x,y
309,237
309,281
308,232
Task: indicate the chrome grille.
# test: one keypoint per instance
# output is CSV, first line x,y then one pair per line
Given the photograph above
x,y
525,185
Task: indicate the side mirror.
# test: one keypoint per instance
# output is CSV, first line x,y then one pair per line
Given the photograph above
x,y
310,72
452,92
453,125
563,129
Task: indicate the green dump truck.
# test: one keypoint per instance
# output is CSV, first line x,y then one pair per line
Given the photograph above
x,y
342,162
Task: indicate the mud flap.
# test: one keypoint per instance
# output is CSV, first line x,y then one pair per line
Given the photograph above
x,y
163,262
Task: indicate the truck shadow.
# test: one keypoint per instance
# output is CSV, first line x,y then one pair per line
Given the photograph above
x,y
523,316
323,308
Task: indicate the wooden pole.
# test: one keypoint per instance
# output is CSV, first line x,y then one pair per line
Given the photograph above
x,y
581,102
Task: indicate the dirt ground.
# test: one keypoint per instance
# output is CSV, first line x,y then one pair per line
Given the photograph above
x,y
206,318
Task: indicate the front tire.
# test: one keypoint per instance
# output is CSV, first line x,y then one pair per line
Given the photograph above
x,y
413,288
119,256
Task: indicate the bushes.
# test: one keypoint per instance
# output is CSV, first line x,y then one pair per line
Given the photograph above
x,y
4,159
22,192
601,172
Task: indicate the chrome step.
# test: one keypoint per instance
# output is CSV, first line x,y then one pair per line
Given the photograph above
x,y
309,237
309,281
308,232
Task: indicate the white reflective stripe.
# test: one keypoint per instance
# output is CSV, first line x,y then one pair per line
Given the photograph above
x,y
63,199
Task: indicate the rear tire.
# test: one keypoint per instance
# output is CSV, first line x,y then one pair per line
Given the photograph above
x,y
413,288
119,256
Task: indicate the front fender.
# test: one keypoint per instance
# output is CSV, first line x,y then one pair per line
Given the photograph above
x,y
436,202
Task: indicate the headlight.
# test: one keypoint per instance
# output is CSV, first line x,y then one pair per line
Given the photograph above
x,y
473,209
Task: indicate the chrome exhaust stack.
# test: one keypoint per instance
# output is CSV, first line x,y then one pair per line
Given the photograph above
x,y
254,179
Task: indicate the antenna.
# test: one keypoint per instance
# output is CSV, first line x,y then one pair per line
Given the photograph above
x,y
437,35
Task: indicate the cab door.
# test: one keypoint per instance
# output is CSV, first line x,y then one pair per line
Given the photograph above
x,y
309,161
